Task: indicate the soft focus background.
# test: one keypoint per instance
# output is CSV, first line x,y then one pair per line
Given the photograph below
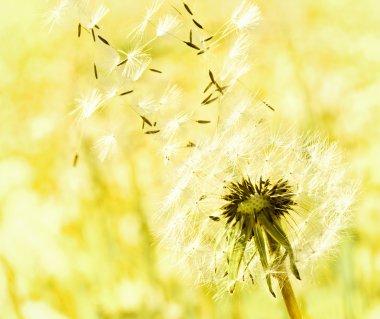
x,y
76,242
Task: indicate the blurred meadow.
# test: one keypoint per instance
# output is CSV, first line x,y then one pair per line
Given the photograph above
x,y
79,241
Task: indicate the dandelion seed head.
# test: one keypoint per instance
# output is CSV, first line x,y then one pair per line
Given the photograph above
x,y
247,174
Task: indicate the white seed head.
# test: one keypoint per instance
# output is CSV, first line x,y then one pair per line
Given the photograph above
x,y
317,184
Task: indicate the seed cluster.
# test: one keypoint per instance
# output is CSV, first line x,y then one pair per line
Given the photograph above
x,y
251,211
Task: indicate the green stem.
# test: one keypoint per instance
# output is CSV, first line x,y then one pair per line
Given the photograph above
x,y
283,280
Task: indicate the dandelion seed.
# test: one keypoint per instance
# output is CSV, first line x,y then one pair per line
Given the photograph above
x,y
207,87
211,76
246,16
155,70
208,39
152,132
191,36
135,63
145,120
103,40
56,14
210,101
125,93
166,24
187,8
191,45
122,62
105,146
207,98
138,32
89,103
75,160
95,71
93,16
93,34
79,29
239,49
190,144
198,24
203,121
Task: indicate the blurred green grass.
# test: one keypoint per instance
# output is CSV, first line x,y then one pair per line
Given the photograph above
x,y
76,242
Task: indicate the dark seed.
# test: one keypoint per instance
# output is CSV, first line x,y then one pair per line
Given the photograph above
x,y
206,99
125,93
187,8
203,121
152,132
79,30
75,160
210,101
146,120
208,39
123,62
155,70
198,24
95,71
103,40
207,87
191,45
211,76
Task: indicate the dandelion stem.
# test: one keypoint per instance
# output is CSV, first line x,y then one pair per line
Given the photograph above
x,y
288,296
283,280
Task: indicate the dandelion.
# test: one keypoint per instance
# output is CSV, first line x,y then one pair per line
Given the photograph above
x,y
249,202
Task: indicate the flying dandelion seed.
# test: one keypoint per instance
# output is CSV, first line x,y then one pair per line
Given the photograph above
x,y
90,16
246,16
166,25
105,146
